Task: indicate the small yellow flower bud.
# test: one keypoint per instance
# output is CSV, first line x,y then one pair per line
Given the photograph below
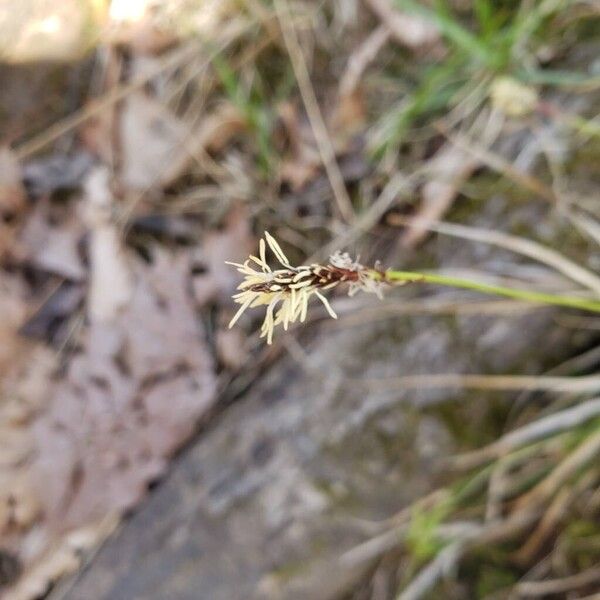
x,y
512,97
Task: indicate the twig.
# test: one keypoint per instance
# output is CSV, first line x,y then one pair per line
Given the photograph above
x,y
451,169
326,150
497,490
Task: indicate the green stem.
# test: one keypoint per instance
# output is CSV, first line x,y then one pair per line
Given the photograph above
x,y
496,290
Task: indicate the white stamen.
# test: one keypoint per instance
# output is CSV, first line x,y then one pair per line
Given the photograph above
x,y
326,304
277,251
240,311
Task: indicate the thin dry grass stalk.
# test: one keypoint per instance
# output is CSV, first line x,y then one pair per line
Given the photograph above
x,y
324,143
563,420
537,589
579,458
516,244
499,164
76,119
361,58
574,385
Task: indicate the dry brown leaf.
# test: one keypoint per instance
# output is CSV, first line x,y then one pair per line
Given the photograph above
x,y
25,384
128,400
214,132
157,147
24,379
52,246
80,448
151,138
132,394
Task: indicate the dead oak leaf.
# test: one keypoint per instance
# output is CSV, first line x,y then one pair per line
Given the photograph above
x,y
128,400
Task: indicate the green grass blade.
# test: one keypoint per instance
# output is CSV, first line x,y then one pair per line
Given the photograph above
x,y
461,37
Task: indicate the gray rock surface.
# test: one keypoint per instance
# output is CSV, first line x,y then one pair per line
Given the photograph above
x,y
284,481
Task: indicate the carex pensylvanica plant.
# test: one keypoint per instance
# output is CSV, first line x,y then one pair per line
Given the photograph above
x,y
287,290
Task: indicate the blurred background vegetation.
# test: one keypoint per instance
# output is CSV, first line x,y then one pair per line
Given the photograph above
x,y
144,143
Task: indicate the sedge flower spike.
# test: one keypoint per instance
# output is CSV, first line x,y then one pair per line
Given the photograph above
x,y
287,290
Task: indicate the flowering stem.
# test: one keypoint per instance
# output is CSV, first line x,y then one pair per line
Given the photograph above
x,y
467,284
